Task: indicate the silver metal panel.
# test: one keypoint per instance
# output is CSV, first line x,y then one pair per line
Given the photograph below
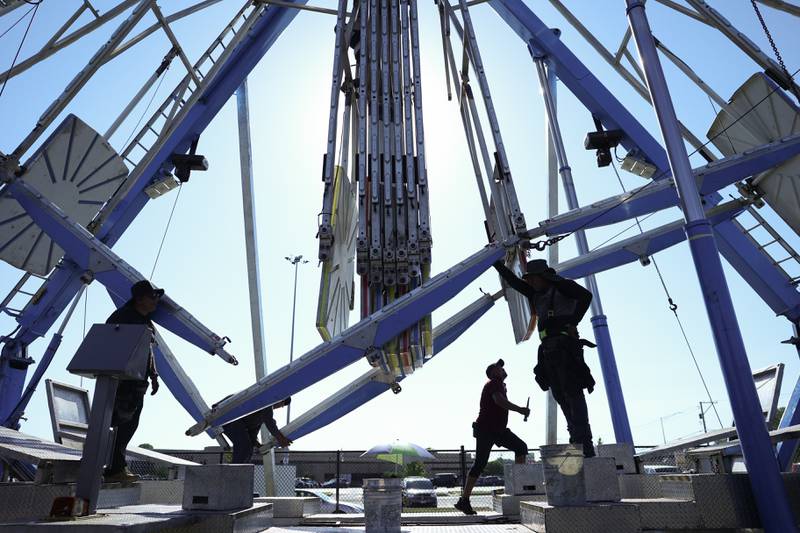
x,y
508,505
291,507
773,119
119,496
30,501
663,513
724,500
518,306
129,359
218,487
600,476
18,445
622,454
768,386
591,518
523,479
336,288
162,491
640,486
77,170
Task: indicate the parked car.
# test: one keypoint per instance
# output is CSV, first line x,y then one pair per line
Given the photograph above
x,y
489,481
445,479
305,483
331,483
661,469
418,492
327,504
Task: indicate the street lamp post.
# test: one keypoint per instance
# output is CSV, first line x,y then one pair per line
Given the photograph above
x,y
295,260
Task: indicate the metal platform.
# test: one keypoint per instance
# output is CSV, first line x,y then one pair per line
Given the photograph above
x,y
448,518
146,518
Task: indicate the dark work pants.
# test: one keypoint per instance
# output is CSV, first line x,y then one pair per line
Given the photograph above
x,y
562,359
484,440
128,405
240,440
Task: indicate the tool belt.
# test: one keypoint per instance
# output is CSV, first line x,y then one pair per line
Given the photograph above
x,y
544,334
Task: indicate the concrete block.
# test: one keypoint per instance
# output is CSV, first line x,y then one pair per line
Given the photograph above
x,y
600,476
508,505
590,518
523,479
291,507
622,454
663,513
218,487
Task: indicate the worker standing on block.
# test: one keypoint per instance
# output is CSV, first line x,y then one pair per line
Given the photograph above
x,y
491,429
560,305
243,433
129,399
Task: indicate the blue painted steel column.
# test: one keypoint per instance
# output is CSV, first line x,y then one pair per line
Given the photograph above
x,y
762,466
791,416
605,350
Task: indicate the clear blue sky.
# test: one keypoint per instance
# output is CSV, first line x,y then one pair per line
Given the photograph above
x,y
203,267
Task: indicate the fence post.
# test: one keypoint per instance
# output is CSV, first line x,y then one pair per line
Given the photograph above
x,y
463,469
338,479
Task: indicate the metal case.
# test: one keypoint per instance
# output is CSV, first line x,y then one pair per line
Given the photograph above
x,y
590,518
523,479
622,454
117,350
600,476
218,487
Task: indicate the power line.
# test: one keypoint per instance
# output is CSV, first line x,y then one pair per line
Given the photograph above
x,y
17,22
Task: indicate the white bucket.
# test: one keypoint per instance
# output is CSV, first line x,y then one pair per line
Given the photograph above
x,y
383,505
563,474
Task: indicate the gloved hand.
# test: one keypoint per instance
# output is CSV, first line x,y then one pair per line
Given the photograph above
x,y
154,385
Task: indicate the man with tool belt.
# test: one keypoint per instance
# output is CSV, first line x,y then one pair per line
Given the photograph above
x,y
129,399
491,429
559,305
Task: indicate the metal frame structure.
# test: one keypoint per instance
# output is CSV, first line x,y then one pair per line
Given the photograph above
x,y
710,227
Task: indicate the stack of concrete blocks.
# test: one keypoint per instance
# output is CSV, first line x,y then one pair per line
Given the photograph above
x,y
290,511
523,482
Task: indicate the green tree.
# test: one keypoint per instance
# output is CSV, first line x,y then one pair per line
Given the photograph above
x,y
773,424
494,468
417,468
147,446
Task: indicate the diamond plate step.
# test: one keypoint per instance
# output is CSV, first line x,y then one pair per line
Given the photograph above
x,y
591,518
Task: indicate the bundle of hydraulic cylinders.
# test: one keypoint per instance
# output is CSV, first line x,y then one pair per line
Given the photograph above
x,y
376,92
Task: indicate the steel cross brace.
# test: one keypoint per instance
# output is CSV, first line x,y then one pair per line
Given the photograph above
x,y
376,381
102,264
65,281
660,194
362,339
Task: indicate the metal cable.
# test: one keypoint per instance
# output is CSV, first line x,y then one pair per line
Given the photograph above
x,y
673,307
19,48
146,109
541,244
17,22
166,229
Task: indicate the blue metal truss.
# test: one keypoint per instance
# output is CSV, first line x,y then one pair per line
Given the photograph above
x,y
65,281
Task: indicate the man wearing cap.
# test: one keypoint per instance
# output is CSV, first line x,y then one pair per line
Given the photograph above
x,y
559,305
130,393
491,429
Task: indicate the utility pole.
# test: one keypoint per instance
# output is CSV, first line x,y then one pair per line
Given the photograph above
x,y
295,260
703,412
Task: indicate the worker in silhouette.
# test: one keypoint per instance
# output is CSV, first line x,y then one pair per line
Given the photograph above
x,y
559,305
243,432
491,429
129,399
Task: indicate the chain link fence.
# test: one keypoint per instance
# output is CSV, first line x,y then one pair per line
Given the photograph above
x,y
336,477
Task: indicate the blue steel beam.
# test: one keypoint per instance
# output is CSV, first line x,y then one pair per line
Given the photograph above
x,y
791,416
660,193
580,81
91,255
64,282
375,382
362,339
634,248
762,466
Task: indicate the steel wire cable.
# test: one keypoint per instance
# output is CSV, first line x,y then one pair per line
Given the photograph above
x,y
17,22
35,9
542,243
166,230
674,308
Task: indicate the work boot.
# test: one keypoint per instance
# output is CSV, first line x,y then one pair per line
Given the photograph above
x,y
465,507
121,476
588,449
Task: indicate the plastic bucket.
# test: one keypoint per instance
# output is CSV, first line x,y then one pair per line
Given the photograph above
x,y
383,504
563,474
